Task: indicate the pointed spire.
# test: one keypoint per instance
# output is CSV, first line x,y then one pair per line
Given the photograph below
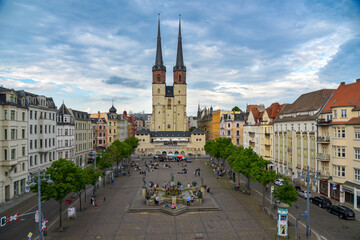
x,y
179,56
159,64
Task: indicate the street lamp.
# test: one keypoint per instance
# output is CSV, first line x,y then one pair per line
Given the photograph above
x,y
33,183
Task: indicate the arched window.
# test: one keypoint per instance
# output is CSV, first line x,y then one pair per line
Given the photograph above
x,y
158,77
179,102
168,125
158,90
179,78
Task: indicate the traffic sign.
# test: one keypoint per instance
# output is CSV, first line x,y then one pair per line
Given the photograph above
x,y
3,221
37,216
43,226
30,234
13,218
272,189
27,189
334,186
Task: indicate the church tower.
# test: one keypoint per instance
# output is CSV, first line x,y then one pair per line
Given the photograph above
x,y
180,87
169,102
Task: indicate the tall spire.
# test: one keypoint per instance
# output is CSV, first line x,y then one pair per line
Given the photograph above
x,y
159,64
179,56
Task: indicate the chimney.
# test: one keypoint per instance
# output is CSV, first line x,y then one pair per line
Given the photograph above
x,y
358,80
342,83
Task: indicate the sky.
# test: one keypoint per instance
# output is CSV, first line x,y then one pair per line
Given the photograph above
x,y
89,54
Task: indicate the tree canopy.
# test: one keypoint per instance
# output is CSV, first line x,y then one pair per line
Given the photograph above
x,y
236,108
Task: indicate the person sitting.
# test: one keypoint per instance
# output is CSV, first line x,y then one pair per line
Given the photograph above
x,y
173,206
192,200
167,205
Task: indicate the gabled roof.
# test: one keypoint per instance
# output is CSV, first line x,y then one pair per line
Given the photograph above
x,y
63,110
309,101
249,107
345,95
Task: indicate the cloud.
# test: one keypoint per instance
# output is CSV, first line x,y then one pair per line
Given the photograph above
x,y
124,82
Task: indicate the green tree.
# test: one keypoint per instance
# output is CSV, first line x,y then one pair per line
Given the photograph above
x,y
286,193
93,176
117,151
103,160
80,182
248,163
133,142
266,177
63,173
236,108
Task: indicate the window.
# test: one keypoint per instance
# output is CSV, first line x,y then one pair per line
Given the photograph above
x,y
335,114
179,78
237,133
12,154
5,114
31,144
357,133
35,116
158,77
357,174
5,134
35,129
23,116
237,125
343,113
339,171
12,134
31,129
35,143
339,152
23,134
228,133
357,153
169,126
12,115
229,125
23,151
66,132
5,154
31,161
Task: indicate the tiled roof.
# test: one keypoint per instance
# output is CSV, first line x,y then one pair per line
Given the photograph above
x,y
79,115
354,120
345,95
249,107
309,101
143,131
63,109
274,110
197,131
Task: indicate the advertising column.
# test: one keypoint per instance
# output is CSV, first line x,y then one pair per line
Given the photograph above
x,y
282,220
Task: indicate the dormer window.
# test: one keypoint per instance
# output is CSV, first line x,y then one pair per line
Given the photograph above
x,y
11,97
343,113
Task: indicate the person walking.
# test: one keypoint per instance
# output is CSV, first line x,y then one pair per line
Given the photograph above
x,y
188,200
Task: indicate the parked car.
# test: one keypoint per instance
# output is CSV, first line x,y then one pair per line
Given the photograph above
x,y
279,181
304,194
321,201
342,211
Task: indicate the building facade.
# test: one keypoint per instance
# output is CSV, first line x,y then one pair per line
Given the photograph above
x,y
338,144
295,135
42,131
232,126
99,132
83,136
65,134
13,143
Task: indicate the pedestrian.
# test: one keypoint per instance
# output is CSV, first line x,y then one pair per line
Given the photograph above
x,y
199,172
192,200
96,203
188,200
92,201
188,185
157,200
208,190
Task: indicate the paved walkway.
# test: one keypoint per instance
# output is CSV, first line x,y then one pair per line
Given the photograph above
x,y
240,217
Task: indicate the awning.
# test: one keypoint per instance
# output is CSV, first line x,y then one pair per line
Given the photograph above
x,y
157,140
271,164
183,139
165,140
175,139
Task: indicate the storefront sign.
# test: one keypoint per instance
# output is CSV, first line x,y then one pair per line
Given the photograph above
x,y
346,189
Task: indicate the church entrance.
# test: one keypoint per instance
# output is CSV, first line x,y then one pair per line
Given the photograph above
x,y
164,153
176,152
170,152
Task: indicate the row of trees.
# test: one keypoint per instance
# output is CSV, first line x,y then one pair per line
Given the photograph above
x,y
68,178
247,162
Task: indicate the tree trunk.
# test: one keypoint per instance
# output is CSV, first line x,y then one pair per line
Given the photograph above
x,y
60,211
79,194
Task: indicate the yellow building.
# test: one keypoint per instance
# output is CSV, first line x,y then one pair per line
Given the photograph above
x,y
339,145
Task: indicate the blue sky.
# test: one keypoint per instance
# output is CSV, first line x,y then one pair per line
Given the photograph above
x,y
88,53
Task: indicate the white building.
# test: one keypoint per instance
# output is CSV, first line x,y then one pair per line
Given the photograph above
x,y
65,134
41,131
13,143
83,136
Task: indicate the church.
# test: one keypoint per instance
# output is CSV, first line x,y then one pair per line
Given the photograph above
x,y
169,130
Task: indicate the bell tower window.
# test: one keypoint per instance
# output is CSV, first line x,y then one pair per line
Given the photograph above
x,y
179,78
158,77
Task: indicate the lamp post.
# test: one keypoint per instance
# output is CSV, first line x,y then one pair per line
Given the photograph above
x,y
308,203
297,219
32,183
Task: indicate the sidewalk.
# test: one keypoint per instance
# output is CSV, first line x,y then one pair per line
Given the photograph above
x,y
19,203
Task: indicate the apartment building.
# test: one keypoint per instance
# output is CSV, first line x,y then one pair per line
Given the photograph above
x,y
338,145
65,128
266,131
251,129
41,131
13,143
295,135
99,132
232,126
83,136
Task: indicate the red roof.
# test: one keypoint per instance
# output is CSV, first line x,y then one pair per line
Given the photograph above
x,y
249,107
345,95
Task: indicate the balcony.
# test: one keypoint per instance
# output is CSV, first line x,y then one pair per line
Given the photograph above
x,y
267,146
323,122
323,156
8,163
324,139
252,134
267,134
252,143
324,174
